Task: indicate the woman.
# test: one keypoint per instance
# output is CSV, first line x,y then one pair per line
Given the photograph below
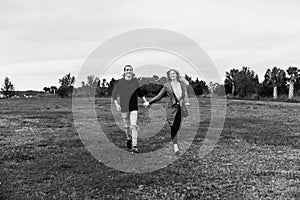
x,y
177,92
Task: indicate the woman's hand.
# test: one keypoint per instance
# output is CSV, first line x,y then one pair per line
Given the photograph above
x,y
187,103
146,104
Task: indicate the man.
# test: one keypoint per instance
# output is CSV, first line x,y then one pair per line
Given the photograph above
x,y
128,89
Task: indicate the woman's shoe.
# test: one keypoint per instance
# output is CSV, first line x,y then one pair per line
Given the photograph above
x,y
135,149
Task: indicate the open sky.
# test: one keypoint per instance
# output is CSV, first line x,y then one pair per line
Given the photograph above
x,y
40,41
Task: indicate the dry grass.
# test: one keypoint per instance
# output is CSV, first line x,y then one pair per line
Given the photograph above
x,y
257,156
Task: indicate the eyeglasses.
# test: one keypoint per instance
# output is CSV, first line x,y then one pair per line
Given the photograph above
x,y
128,69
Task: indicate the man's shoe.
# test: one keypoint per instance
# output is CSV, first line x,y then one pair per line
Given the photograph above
x,y
135,149
177,153
129,144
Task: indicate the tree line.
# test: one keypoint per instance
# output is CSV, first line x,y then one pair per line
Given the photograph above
x,y
149,85
242,83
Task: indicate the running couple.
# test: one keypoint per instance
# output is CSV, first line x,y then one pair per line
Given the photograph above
x,y
128,90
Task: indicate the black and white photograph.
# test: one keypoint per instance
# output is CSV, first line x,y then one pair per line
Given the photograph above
x,y
149,100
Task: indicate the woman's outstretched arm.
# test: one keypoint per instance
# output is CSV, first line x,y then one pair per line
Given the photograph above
x,y
158,97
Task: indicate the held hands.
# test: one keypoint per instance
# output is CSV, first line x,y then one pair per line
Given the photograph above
x,y
146,104
187,103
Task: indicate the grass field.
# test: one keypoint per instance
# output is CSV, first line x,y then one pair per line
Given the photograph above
x,y
256,157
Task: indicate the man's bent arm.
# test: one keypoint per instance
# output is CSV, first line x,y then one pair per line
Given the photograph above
x,y
144,99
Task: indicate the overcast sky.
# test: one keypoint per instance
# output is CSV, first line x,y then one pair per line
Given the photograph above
x,y
40,41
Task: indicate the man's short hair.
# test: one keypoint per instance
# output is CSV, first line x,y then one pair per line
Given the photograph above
x,y
127,66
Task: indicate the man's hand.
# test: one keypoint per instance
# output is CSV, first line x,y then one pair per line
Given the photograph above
x,y
146,104
118,107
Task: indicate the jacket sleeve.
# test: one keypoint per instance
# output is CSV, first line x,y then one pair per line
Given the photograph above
x,y
158,97
186,97
184,81
116,90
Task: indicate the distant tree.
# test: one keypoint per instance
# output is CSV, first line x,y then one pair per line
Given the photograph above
x,y
265,88
53,89
111,86
200,87
66,87
294,74
8,89
46,89
98,90
104,83
65,91
105,88
246,82
155,77
67,80
92,81
219,90
89,88
213,87
297,86
230,80
277,79
228,86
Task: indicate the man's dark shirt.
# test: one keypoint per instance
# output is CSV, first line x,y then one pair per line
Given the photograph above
x,y
128,90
